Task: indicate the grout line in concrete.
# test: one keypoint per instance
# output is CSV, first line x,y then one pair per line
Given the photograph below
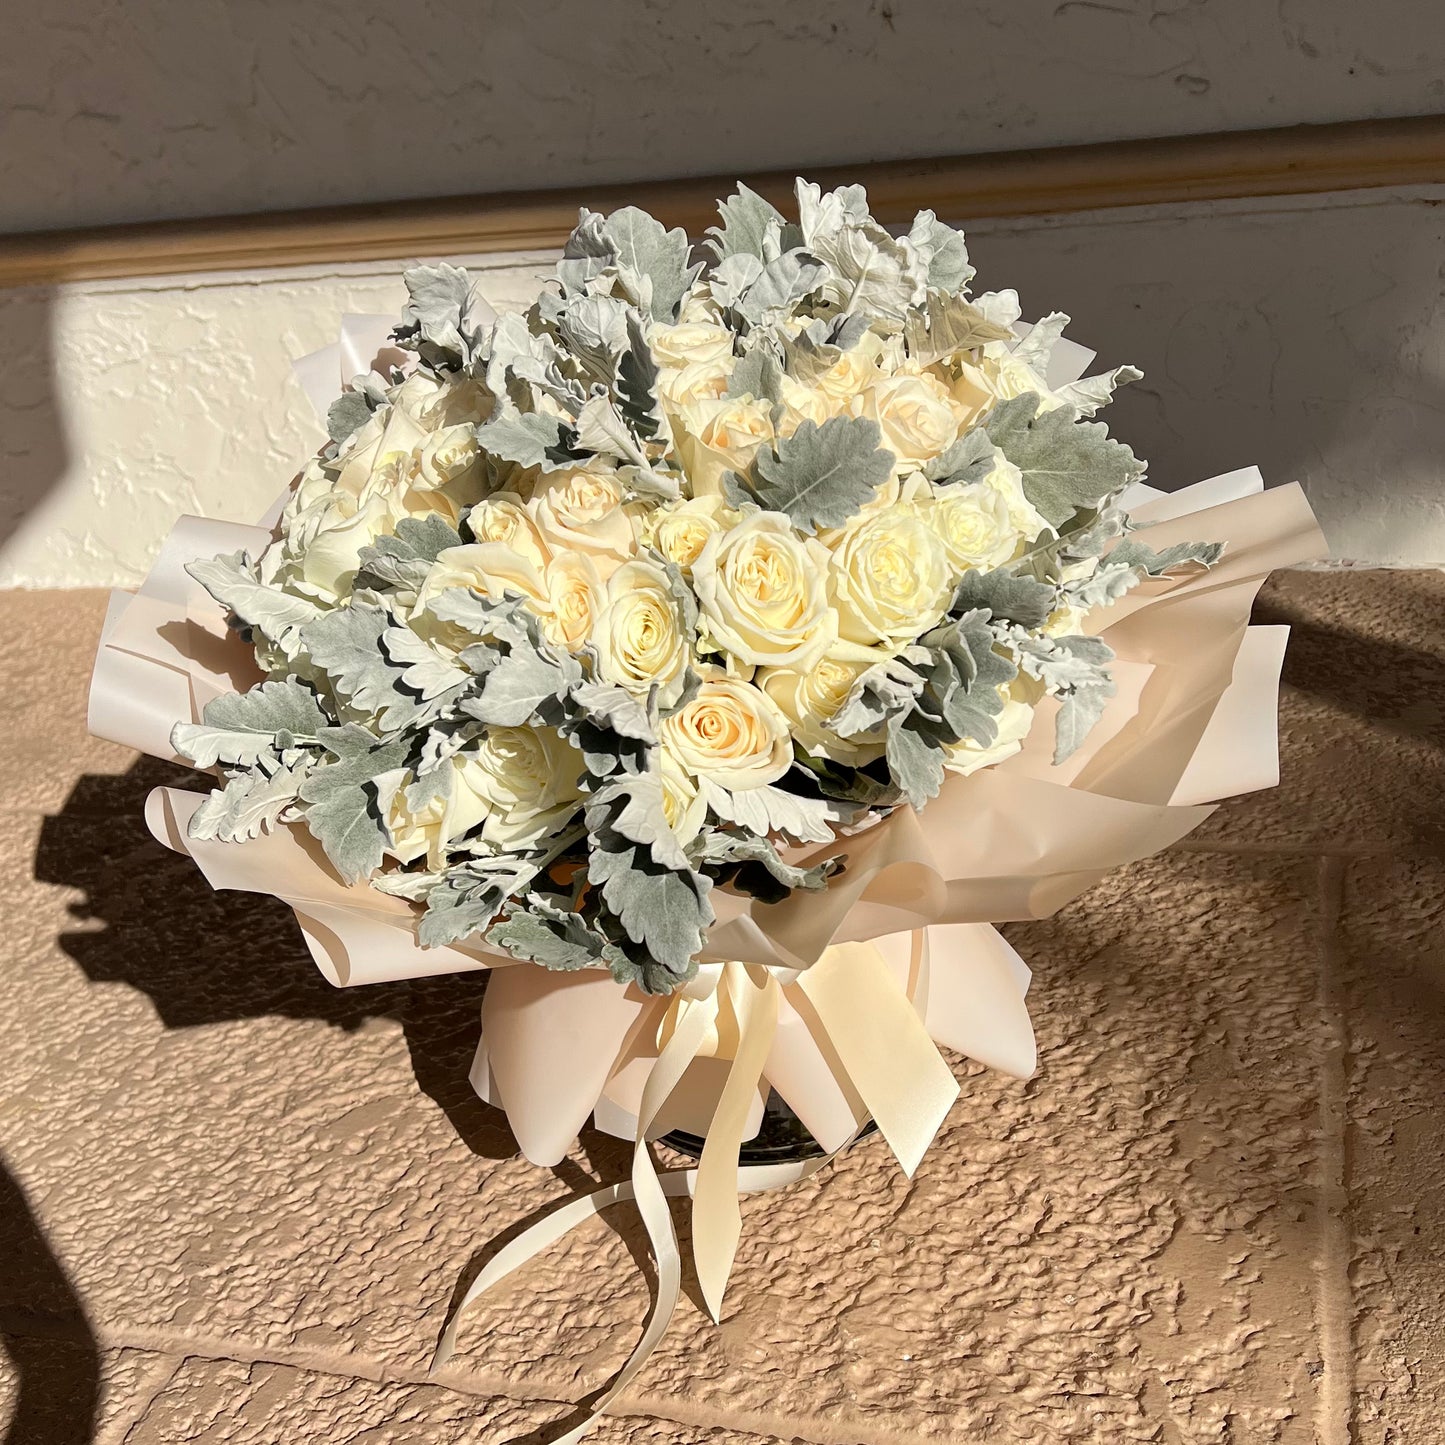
x,y
1335,1299
161,1373
175,1349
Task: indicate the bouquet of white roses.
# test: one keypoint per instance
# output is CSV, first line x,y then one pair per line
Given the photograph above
x,y
755,625
586,613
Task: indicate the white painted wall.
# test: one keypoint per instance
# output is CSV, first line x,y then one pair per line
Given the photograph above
x,y
152,108
1307,336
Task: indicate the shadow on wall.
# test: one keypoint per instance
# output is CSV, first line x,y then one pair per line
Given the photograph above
x,y
34,454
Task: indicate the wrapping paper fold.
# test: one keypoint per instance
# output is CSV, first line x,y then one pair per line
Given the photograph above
x,y
836,1001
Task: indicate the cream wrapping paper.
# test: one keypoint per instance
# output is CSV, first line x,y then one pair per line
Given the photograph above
x,y
836,1001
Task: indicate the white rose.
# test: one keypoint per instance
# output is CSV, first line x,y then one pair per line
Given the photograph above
x,y
980,385
328,552
450,813
810,699
639,634
731,734
890,580
528,779
915,415
854,372
804,403
491,568
449,460
683,386
985,524
763,593
682,803
503,518
680,530
581,509
691,343
714,437
1013,725
575,597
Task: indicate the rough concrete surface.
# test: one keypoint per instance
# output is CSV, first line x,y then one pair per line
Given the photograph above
x,y
237,1201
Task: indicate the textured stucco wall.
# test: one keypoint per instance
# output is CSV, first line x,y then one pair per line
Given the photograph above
x,y
1305,336
116,112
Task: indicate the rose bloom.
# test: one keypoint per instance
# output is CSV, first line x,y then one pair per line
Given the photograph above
x,y
1013,723
451,813
985,524
915,415
639,635
581,509
502,517
763,592
731,734
853,373
890,580
574,598
718,436
810,697
683,386
804,403
691,343
680,530
528,778
980,385
492,568
682,804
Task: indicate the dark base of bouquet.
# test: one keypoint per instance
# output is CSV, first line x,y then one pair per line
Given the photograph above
x,y
782,1139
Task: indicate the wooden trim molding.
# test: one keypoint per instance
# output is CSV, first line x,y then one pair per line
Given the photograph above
x,y
1291,161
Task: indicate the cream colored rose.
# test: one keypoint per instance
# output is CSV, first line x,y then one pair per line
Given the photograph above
x,y
714,437
574,596
854,372
691,343
804,403
582,509
890,580
451,813
639,633
915,415
981,384
491,568
682,804
503,518
327,544
450,459
529,780
731,734
684,386
985,524
763,593
680,530
1014,723
810,698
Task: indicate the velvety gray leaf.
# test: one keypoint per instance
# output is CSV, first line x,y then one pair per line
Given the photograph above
x,y
250,804
587,254
560,939
1078,713
632,806
345,644
750,225
1036,348
637,384
601,429
731,278
770,809
276,615
718,847
758,374
594,331
1090,393
514,691
915,761
969,459
664,910
820,476
401,562
1064,663
781,282
944,251
241,727
437,298
528,438
1109,583
1133,553
1067,465
885,690
617,708
645,248
342,810
947,324
347,414
469,896
1017,599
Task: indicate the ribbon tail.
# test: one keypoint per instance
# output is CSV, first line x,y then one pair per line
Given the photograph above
x,y
717,1219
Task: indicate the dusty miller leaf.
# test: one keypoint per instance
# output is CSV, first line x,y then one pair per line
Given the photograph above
x,y
239,728
945,325
341,801
557,938
750,225
250,804
347,414
1016,599
1090,393
767,810
645,248
1067,465
820,476
758,374
276,615
1132,553
469,896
